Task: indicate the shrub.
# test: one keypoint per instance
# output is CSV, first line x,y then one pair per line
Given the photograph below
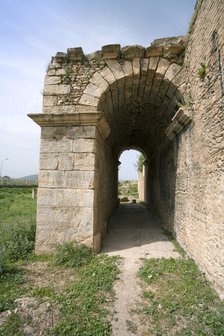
x,y
16,241
72,254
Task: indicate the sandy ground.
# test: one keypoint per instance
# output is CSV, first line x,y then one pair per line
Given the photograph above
x,y
133,234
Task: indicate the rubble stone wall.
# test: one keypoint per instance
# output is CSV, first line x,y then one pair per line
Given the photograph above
x,y
192,202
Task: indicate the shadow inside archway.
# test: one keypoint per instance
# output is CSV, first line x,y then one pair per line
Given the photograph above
x,y
134,232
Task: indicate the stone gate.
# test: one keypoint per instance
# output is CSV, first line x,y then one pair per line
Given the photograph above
x,y
167,100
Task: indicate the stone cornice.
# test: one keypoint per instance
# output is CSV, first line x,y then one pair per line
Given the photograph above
x,y
179,121
75,119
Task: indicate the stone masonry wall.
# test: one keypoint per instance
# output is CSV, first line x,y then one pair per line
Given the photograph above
x,y
197,155
67,180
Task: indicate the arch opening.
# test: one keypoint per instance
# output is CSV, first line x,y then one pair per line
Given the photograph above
x,y
138,109
131,176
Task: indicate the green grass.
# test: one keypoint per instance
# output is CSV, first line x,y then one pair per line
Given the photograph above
x,y
17,224
178,300
12,326
11,288
84,302
72,255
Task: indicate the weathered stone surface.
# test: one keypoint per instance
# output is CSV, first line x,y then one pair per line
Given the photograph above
x,y
84,146
75,54
48,161
57,89
57,146
154,51
162,66
50,100
79,179
60,57
51,179
81,132
127,68
66,161
60,197
87,99
84,161
53,132
108,75
111,51
51,80
115,68
134,51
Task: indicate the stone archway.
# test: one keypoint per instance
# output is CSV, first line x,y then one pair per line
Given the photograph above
x,y
94,106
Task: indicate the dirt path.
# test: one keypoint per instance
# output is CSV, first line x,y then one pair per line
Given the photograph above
x,y
133,234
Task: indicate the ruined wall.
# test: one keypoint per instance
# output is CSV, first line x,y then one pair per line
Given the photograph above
x,y
197,155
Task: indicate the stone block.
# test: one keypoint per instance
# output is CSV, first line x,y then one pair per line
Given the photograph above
x,y
59,109
75,54
93,90
50,100
84,146
153,61
48,161
162,66
82,132
115,68
136,66
60,57
111,51
172,71
89,100
51,80
60,72
144,65
108,75
127,68
66,161
56,146
134,51
84,161
57,89
99,81
60,224
154,51
53,132
61,197
79,179
51,179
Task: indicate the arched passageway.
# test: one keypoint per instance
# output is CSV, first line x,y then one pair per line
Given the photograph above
x,y
96,105
94,108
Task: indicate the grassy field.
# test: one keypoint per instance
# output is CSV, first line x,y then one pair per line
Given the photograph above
x,y
178,300
71,292
68,293
17,224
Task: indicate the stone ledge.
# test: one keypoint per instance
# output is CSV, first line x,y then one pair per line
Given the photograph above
x,y
76,119
179,121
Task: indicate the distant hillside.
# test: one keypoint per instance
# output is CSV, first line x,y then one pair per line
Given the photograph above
x,y
30,178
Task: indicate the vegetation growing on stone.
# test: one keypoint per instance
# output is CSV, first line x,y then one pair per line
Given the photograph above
x,y
202,71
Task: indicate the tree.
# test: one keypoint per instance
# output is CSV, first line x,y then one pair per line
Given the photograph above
x,y
140,163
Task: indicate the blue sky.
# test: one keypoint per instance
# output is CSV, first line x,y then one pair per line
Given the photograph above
x,y
33,31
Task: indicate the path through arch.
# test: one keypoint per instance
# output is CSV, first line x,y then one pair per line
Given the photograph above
x,y
134,233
